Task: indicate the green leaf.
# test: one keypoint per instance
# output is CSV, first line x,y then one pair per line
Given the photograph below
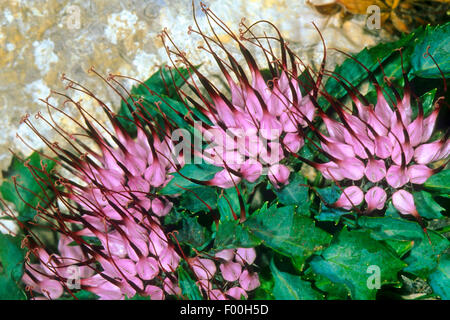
x,y
162,84
330,214
427,100
423,257
426,206
292,287
165,81
11,261
401,247
187,285
439,183
295,193
26,179
232,235
440,278
201,172
228,201
356,75
333,290
347,261
330,194
192,233
438,41
288,232
194,200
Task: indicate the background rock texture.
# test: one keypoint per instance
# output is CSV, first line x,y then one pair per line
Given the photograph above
x,y
40,40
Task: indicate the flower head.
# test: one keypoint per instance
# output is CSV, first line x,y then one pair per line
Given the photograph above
x,y
107,214
381,150
262,119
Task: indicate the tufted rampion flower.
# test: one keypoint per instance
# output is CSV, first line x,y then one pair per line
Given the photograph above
x,y
254,127
381,151
106,212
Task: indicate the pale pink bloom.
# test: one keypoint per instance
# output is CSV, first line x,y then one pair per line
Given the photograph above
x,y
237,293
171,287
419,173
226,255
216,294
279,174
169,260
225,179
350,197
154,292
203,268
147,268
375,198
245,255
249,281
230,270
375,170
403,201
251,170
397,176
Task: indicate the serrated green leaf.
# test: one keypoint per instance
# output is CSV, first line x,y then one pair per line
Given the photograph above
x,y
440,278
423,256
232,234
347,261
371,58
201,172
438,41
330,214
292,287
333,290
229,202
194,200
26,179
11,259
426,206
330,194
295,193
187,285
288,232
439,183
192,233
159,88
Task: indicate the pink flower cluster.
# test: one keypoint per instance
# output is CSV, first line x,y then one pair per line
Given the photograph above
x,y
120,210
382,146
232,279
261,123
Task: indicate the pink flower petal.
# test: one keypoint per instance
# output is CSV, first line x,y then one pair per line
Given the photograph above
x,y
351,197
237,293
251,170
249,281
226,255
154,292
375,198
397,176
203,268
293,142
419,173
375,170
147,268
403,201
245,255
231,271
279,174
